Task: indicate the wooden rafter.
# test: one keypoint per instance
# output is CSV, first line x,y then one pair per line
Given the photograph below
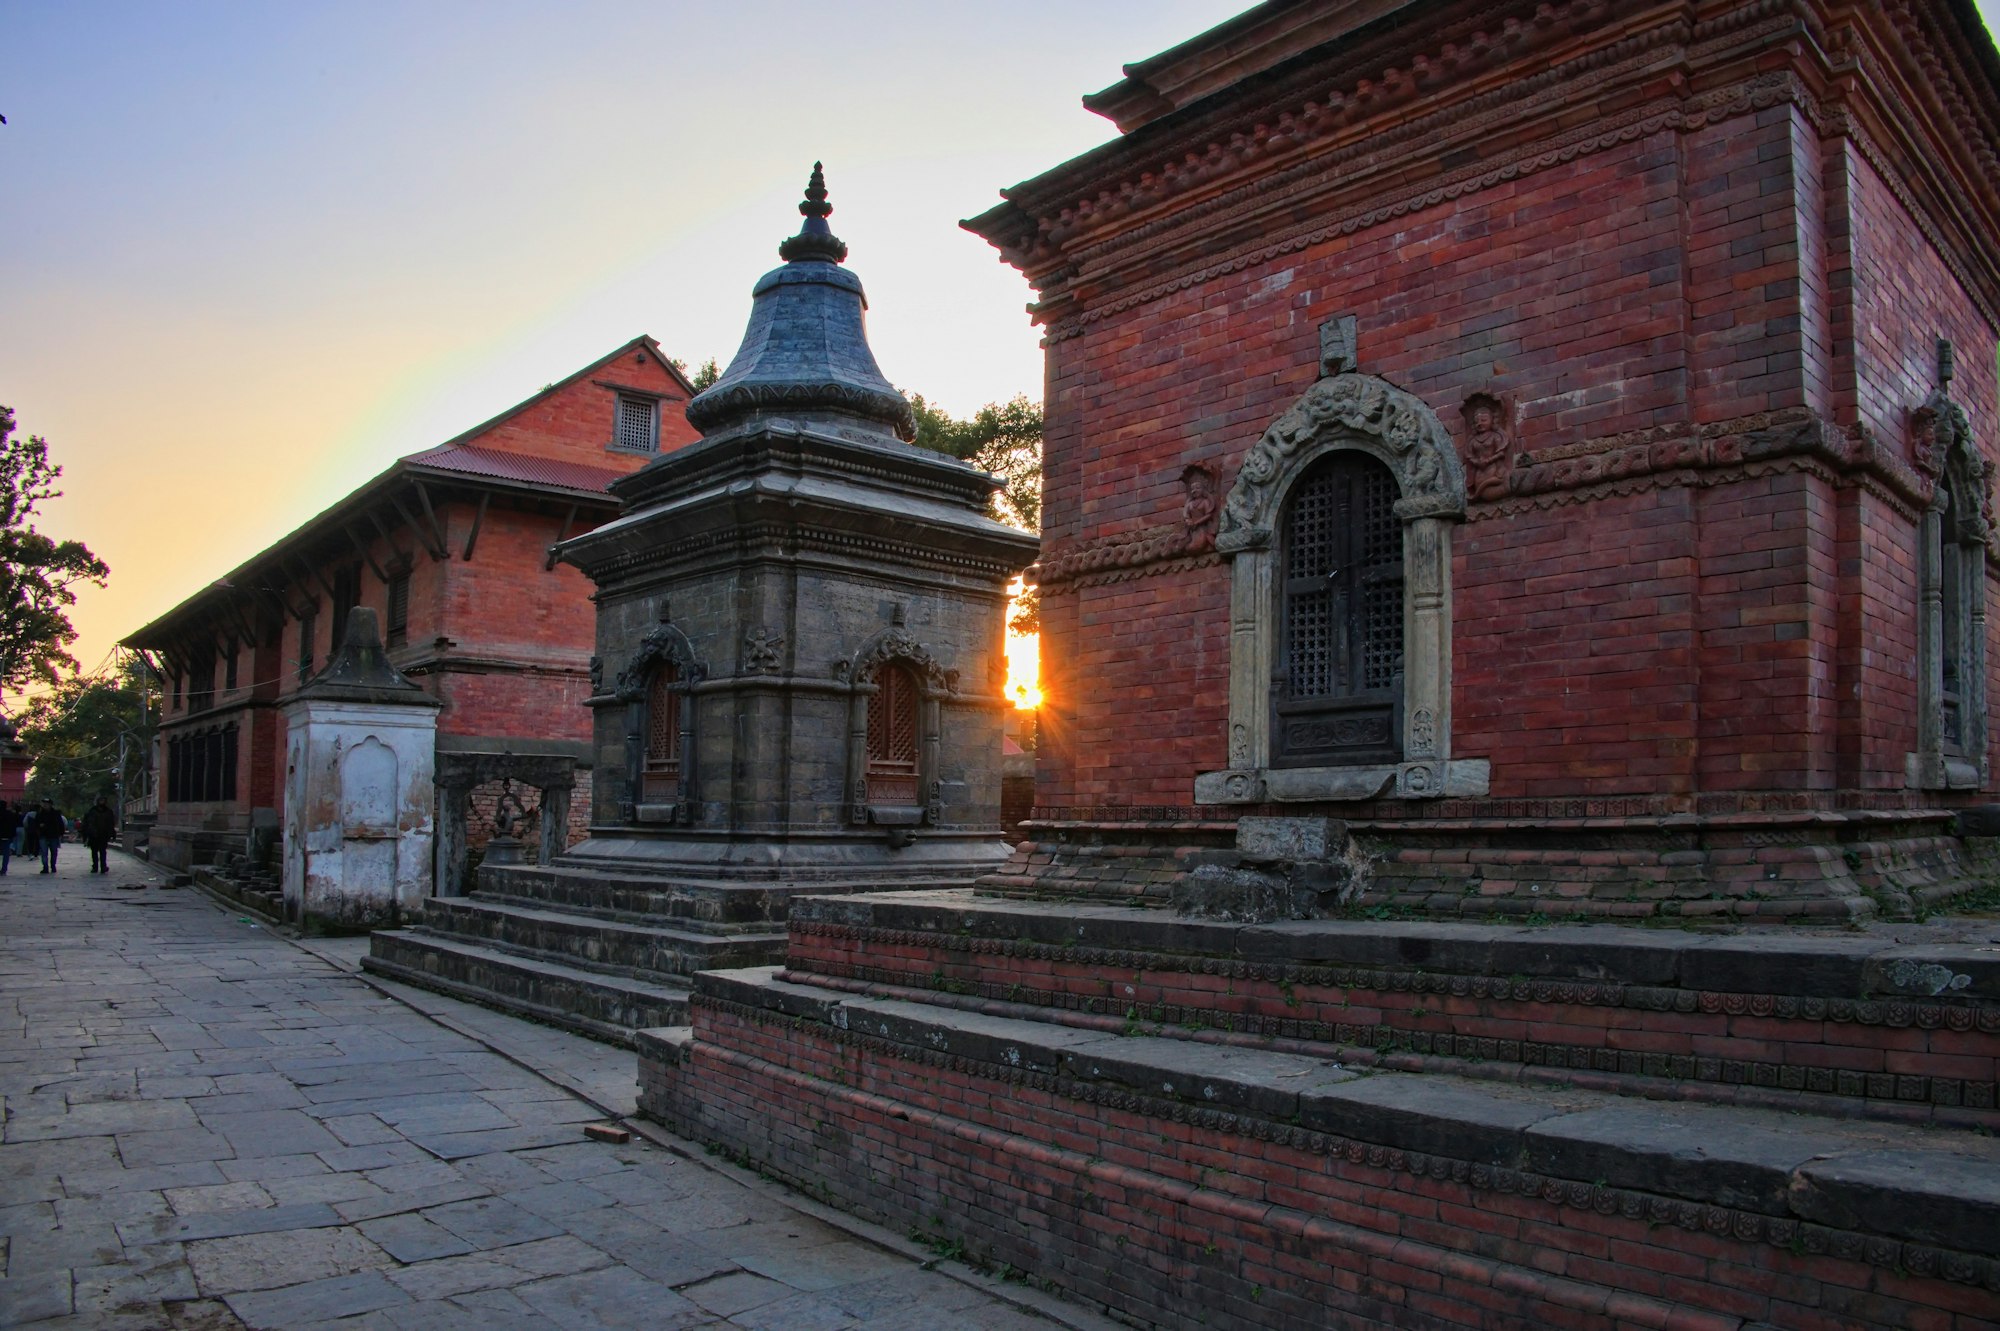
x,y
433,535
361,548
472,537
388,538
561,536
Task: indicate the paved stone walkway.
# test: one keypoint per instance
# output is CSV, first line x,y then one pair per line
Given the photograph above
x,y
207,1126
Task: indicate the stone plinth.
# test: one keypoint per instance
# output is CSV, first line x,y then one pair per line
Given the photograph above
x,y
358,790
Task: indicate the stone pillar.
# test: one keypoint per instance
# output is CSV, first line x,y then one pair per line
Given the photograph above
x,y
359,800
555,822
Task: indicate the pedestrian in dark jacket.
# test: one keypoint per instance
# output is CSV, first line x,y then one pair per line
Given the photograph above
x,y
97,827
49,829
10,828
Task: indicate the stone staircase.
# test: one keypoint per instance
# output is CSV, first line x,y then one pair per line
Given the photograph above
x,y
602,951
593,952
1289,1125
239,881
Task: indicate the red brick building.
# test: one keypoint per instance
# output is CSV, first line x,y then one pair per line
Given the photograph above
x,y
1500,461
451,548
1664,291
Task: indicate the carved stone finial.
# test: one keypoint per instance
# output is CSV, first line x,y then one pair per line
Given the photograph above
x,y
1946,359
815,241
1337,352
815,204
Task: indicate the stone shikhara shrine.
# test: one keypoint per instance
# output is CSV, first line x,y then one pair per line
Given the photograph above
x,y
798,686
1509,466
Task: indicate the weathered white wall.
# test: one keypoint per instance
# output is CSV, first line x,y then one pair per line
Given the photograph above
x,y
359,812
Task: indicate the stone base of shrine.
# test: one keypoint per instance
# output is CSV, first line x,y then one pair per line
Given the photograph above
x,y
1826,866
1311,1123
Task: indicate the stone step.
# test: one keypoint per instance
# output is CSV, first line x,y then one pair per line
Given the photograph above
x,y
604,1006
1211,1170
265,903
712,905
597,942
1799,1019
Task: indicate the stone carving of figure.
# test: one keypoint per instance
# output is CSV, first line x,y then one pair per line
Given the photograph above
x,y
1487,447
1199,509
1923,439
761,652
509,813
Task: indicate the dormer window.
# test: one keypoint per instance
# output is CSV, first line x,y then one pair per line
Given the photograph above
x,y
638,427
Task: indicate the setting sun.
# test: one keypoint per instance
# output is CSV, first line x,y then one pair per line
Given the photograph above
x,y
1024,656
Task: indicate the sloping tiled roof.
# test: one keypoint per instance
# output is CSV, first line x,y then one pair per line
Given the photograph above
x,y
507,466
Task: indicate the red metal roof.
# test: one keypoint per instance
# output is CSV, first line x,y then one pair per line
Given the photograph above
x,y
514,467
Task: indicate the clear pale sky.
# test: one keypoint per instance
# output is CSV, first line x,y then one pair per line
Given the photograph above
x,y
250,253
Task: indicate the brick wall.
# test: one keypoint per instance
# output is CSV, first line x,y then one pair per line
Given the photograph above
x,y
1693,634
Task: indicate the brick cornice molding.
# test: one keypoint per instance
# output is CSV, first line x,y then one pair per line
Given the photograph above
x,y
1163,211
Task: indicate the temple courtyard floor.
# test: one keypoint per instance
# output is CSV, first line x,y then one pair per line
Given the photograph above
x,y
207,1125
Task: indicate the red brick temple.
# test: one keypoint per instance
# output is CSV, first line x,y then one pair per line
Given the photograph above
x,y
1515,470
1598,403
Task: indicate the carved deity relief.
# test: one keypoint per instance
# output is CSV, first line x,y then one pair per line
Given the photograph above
x,y
761,652
1488,446
1923,439
1200,508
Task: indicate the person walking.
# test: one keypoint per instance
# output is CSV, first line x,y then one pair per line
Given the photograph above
x,y
97,827
49,829
10,828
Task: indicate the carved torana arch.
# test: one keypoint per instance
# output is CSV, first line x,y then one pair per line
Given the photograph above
x,y
1362,412
937,683
663,645
1345,411
663,642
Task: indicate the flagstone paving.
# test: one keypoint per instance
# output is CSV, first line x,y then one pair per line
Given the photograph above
x,y
209,1127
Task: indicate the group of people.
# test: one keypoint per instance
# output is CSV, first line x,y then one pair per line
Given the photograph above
x,y
39,830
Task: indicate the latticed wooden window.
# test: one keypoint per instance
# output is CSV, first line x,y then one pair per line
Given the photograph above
x,y
308,633
397,631
662,775
1337,694
638,423
893,714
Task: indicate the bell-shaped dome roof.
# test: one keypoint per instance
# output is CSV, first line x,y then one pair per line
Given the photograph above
x,y
805,352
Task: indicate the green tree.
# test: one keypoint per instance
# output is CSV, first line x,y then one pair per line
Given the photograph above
x,y
71,733
38,575
1005,439
703,377
1002,438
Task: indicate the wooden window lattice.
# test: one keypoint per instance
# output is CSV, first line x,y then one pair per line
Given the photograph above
x,y
398,630
1341,640
663,736
893,737
637,422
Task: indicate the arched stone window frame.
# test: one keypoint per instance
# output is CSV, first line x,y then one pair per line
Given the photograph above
x,y
1952,750
663,645
1369,414
936,685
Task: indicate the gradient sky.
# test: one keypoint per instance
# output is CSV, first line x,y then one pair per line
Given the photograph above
x,y
250,253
